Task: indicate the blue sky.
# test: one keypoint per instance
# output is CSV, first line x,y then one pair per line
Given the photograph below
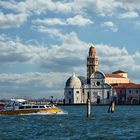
x,y
42,42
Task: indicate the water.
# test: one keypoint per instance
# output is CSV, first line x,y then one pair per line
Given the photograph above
x,y
123,124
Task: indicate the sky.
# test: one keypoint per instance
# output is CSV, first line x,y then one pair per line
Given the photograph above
x,y
42,42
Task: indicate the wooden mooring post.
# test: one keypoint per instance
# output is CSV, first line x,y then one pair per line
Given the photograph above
x,y
88,108
111,107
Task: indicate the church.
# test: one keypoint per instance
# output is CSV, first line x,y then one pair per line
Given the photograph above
x,y
100,87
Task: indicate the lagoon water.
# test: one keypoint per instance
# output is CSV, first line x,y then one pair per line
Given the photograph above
x,y
123,124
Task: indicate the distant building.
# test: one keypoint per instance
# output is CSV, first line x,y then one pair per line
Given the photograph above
x,y
100,87
128,93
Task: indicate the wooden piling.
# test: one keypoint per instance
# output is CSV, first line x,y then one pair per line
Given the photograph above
x,y
88,108
111,107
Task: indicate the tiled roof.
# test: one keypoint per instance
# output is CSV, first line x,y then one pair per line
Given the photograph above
x,y
113,76
127,85
118,71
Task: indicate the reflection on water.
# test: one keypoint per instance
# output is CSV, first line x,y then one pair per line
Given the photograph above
x,y
73,124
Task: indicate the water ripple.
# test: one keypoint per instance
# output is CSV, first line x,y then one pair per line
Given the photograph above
x,y
124,124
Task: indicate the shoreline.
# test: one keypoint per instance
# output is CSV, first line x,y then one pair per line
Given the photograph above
x,y
96,104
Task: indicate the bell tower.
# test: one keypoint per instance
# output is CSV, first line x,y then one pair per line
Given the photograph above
x,y
92,62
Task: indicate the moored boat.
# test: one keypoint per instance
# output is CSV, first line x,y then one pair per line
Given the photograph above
x,y
20,106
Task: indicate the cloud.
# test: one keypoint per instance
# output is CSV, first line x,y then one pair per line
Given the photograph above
x,y
130,14
77,20
13,51
138,23
128,4
113,58
51,31
63,55
70,54
70,38
110,25
104,8
12,20
37,7
52,59
32,85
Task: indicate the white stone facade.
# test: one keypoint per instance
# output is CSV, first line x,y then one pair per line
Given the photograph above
x,y
98,91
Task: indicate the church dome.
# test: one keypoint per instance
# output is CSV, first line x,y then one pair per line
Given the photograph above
x,y
92,51
73,82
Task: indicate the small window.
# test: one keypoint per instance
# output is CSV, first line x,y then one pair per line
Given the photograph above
x,y
27,106
69,92
42,106
21,107
77,91
34,106
16,104
129,91
98,83
137,91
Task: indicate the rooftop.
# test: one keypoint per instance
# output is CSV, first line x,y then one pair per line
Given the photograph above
x,y
118,71
113,76
127,85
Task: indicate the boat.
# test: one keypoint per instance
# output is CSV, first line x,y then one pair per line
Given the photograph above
x,y
21,106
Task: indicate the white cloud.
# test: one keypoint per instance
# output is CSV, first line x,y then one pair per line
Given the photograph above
x,y
38,6
136,55
77,20
52,59
49,21
130,14
69,38
12,51
130,5
104,8
12,20
32,85
110,25
138,23
51,31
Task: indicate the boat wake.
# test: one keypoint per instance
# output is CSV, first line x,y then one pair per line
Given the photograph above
x,y
48,113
